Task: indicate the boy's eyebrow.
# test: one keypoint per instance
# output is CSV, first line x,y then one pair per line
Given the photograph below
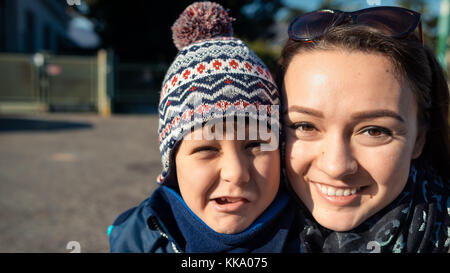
x,y
364,115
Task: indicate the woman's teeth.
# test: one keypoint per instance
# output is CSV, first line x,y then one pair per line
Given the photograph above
x,y
332,191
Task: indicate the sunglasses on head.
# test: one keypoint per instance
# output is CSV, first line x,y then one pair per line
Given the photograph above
x,y
394,22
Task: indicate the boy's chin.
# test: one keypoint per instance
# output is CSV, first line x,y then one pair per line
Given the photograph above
x,y
231,227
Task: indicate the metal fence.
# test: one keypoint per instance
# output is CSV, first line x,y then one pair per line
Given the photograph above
x,y
137,87
19,84
44,82
71,83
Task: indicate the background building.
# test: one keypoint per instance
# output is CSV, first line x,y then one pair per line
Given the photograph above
x,y
28,26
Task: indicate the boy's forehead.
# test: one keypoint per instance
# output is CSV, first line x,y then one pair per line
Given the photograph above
x,y
235,125
246,129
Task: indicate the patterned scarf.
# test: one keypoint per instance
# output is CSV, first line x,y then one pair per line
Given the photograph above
x,y
416,221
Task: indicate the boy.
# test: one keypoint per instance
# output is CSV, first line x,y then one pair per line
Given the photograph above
x,y
220,185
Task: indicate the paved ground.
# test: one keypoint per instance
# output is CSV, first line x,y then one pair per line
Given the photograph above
x,y
66,177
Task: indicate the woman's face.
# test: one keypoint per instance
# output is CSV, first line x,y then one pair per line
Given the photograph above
x,y
351,132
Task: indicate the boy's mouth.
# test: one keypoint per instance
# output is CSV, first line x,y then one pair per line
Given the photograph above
x,y
229,204
227,200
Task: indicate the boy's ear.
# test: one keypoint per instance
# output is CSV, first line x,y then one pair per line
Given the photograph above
x,y
420,142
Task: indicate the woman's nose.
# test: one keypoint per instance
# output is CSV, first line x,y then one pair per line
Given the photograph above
x,y
336,158
235,167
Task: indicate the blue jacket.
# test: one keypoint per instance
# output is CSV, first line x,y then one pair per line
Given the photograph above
x,y
142,229
152,227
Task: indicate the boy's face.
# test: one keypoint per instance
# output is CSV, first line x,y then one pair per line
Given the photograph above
x,y
227,183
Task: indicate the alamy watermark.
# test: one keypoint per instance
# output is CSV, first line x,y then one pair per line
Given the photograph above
x,y
374,2
374,246
252,122
73,2
75,246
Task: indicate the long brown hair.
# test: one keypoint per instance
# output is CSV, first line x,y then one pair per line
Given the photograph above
x,y
414,63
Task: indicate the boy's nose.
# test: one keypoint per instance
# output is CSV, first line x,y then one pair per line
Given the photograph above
x,y
234,167
336,158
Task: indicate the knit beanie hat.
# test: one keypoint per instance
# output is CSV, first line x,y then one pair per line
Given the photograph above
x,y
213,76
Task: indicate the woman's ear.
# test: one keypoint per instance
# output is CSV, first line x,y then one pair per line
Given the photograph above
x,y
420,142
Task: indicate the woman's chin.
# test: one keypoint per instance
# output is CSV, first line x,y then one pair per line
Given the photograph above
x,y
339,228
338,222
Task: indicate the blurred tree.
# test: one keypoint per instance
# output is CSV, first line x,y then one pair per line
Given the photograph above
x,y
140,30
429,20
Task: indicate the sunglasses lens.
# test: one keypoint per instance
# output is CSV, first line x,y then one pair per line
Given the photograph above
x,y
390,22
313,25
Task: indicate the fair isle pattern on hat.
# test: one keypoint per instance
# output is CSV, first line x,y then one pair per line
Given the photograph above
x,y
211,79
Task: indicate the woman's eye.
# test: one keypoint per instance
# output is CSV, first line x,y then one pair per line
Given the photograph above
x,y
304,128
374,136
376,132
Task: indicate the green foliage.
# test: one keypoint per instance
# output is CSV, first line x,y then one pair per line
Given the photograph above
x,y
429,21
269,55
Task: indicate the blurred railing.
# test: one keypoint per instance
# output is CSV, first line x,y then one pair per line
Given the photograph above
x,y
71,83
137,87
19,83
50,83
44,82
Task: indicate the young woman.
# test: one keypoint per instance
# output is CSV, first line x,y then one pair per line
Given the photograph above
x,y
365,107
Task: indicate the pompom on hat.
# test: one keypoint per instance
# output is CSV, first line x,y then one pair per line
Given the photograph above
x,y
213,76
199,21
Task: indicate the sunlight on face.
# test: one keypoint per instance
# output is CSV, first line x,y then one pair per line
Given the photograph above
x,y
351,132
227,183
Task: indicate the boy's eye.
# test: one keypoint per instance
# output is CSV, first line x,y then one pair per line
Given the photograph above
x,y
204,149
254,146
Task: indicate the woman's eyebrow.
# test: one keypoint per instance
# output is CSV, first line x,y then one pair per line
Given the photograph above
x,y
364,115
304,110
377,114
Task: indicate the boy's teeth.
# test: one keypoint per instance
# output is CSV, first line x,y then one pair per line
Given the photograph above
x,y
332,191
228,199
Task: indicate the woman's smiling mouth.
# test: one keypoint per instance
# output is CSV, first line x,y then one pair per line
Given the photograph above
x,y
337,196
336,191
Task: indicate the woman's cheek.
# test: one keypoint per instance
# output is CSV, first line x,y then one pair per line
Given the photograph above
x,y
294,157
386,165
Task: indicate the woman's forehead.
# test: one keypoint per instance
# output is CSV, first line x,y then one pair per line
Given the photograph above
x,y
348,81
